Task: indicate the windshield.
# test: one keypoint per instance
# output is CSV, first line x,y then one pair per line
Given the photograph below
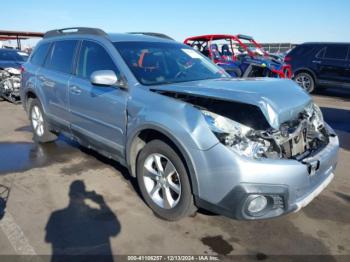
x,y
10,55
164,63
256,50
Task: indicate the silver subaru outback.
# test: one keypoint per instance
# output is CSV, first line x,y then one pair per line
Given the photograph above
x,y
190,134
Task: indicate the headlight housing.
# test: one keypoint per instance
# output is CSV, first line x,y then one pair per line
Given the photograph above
x,y
236,136
316,116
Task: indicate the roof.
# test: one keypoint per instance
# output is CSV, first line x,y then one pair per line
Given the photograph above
x,y
136,38
113,37
326,43
152,34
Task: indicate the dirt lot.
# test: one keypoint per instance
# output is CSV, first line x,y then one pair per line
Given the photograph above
x,y
114,219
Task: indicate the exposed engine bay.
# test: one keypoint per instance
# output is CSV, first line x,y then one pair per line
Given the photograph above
x,y
10,82
296,139
244,128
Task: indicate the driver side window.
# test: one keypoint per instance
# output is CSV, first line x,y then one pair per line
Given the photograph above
x,y
93,57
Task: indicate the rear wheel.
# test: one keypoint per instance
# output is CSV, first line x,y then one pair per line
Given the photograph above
x,y
305,81
39,123
164,182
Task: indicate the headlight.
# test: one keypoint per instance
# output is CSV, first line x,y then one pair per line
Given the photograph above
x,y
236,136
316,116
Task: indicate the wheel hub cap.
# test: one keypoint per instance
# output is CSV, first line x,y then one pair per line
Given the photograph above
x,y
304,82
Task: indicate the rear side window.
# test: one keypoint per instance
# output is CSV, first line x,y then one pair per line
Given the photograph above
x,y
338,52
302,50
40,53
93,57
62,55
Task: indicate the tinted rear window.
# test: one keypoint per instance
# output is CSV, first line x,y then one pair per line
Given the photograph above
x,y
39,54
62,54
336,52
302,50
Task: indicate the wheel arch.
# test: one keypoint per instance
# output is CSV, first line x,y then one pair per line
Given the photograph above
x,y
148,133
28,95
306,70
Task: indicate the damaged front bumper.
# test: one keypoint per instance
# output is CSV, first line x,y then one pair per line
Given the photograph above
x,y
228,184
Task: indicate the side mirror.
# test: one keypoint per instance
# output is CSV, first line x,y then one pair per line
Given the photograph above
x,y
104,78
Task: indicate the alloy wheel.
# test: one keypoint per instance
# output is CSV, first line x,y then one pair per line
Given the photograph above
x,y
162,181
304,81
37,121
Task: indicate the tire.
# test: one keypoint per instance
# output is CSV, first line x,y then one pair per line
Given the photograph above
x,y
172,197
39,124
305,81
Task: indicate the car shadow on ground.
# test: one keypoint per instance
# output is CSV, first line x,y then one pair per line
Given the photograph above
x,y
80,232
339,120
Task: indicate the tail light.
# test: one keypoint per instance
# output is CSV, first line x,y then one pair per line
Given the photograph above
x,y
22,69
287,59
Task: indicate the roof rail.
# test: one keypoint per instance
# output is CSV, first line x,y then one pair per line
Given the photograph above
x,y
74,30
160,35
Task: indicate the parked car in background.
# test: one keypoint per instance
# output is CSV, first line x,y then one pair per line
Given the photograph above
x,y
10,74
191,135
239,55
320,64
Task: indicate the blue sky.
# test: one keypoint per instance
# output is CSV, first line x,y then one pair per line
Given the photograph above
x,y
267,20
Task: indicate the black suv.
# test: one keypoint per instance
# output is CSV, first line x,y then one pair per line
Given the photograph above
x,y
320,64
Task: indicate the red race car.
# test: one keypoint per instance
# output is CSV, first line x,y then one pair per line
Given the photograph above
x,y
239,55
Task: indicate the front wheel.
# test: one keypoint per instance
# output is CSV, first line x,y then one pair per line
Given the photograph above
x,y
305,81
164,182
39,123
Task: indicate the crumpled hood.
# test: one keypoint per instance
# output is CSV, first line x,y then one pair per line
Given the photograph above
x,y
280,100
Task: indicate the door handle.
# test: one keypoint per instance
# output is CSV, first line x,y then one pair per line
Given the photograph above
x,y
317,62
75,90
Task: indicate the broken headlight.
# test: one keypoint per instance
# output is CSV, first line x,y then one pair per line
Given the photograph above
x,y
236,136
316,117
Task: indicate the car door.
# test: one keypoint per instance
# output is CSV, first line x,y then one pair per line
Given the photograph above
x,y
332,63
98,113
53,77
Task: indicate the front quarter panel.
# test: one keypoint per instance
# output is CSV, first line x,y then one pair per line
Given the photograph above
x,y
183,121
183,124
